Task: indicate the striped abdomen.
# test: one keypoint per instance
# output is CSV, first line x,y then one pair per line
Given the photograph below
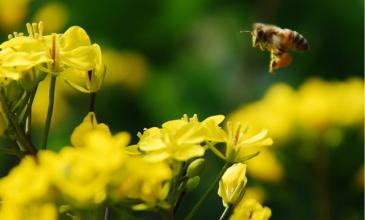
x,y
298,42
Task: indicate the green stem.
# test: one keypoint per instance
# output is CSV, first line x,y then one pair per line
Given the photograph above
x,y
92,102
207,193
28,113
106,213
226,211
50,111
21,136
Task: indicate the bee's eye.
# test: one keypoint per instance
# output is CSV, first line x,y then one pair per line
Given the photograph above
x,y
260,34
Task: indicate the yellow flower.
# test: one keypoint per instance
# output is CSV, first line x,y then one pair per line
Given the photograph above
x,y
87,81
265,167
177,139
21,200
257,193
31,211
316,106
83,174
56,15
323,104
276,112
71,52
239,147
128,69
135,183
250,210
12,13
15,186
78,136
212,131
40,103
232,184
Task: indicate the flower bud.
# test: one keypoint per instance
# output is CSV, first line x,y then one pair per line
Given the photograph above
x,y
232,184
195,167
192,183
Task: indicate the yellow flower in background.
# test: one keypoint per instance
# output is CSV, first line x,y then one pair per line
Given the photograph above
x,y
250,210
177,139
232,184
125,68
89,124
83,174
12,13
321,108
31,211
276,112
240,146
15,186
316,105
323,104
256,193
40,104
265,167
22,200
56,15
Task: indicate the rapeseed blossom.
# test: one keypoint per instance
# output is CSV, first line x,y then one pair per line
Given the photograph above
x,y
250,210
232,184
177,139
100,168
70,54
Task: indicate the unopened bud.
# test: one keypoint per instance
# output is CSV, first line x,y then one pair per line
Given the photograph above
x,y
192,183
195,167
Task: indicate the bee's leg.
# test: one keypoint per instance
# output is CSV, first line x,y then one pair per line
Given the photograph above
x,y
274,58
279,60
262,47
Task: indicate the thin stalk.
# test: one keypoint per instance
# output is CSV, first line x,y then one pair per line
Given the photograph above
x,y
28,113
106,213
226,211
207,193
47,126
92,102
21,136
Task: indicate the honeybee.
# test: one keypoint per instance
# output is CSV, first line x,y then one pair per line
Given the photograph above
x,y
277,41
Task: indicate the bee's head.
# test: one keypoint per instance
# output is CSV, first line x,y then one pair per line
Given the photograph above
x,y
258,34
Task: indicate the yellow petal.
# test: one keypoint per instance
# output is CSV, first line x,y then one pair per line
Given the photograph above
x,y
186,152
74,37
82,58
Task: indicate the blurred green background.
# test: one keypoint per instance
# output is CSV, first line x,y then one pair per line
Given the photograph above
x,y
166,58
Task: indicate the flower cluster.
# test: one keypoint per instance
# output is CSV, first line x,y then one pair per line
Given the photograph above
x,y
101,167
70,54
317,105
319,109
96,168
101,170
